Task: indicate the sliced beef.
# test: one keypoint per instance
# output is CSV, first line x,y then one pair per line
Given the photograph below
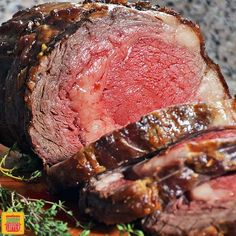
x,y
72,72
131,192
143,138
211,212
222,189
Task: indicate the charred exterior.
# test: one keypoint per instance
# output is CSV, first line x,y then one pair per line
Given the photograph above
x,y
144,138
132,192
35,97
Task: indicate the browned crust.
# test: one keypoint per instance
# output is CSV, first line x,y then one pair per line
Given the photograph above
x,y
205,220
141,189
55,21
144,138
133,201
215,67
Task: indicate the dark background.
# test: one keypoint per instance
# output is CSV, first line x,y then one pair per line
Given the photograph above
x,y
217,19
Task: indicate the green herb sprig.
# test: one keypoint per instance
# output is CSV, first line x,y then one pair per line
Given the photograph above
x,y
40,215
129,230
20,166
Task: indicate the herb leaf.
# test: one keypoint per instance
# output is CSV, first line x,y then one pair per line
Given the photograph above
x,y
85,232
39,219
20,166
129,229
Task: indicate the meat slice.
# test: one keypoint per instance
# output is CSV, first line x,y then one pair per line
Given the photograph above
x,y
131,192
211,212
143,138
222,189
72,72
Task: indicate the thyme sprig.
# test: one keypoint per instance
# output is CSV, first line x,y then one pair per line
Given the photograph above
x,y
40,215
20,166
129,229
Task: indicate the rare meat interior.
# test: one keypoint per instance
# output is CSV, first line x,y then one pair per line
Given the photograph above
x,y
153,132
121,103
112,71
132,192
210,210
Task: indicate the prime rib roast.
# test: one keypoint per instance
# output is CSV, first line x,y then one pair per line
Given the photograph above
x,y
71,73
125,89
143,138
211,211
131,192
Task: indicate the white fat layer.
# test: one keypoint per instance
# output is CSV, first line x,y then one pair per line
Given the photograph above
x,y
183,34
224,113
110,6
107,180
206,193
122,140
157,163
168,19
210,89
186,37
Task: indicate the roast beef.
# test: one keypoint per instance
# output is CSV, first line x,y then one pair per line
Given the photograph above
x,y
143,138
131,192
211,212
72,72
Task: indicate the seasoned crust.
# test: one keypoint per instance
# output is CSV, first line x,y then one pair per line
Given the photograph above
x,y
144,138
37,32
197,219
127,193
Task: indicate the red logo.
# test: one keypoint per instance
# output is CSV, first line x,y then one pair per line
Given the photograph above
x,y
13,223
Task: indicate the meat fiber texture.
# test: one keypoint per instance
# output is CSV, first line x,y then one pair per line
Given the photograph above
x,y
132,192
71,73
211,211
144,138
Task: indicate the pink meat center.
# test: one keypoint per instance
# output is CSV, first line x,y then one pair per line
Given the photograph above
x,y
151,75
119,86
220,189
110,73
